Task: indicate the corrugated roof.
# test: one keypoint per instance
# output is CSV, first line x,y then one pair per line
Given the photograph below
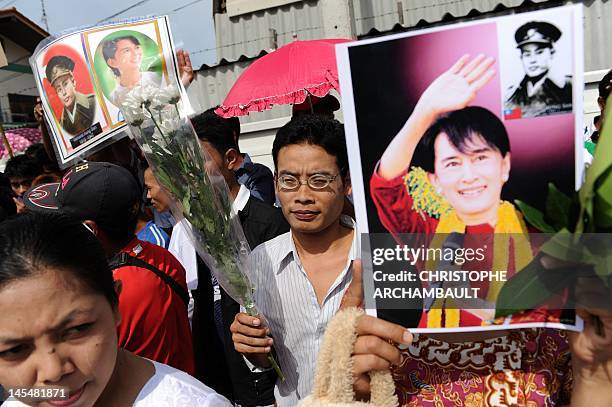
x,y
249,34
597,32
384,15
213,84
378,15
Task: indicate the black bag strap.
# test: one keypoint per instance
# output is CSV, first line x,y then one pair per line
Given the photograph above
x,y
124,259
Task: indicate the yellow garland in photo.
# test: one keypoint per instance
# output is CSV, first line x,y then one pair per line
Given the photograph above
x,y
509,228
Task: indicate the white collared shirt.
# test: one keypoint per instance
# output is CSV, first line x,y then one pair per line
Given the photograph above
x,y
183,249
287,299
241,199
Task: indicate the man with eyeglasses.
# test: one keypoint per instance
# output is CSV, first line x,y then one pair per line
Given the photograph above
x,y
301,276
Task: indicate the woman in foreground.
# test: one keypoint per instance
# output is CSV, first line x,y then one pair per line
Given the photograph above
x,y
58,319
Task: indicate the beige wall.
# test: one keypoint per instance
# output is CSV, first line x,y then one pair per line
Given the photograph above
x,y
257,138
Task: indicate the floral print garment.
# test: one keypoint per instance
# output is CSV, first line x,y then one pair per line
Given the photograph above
x,y
528,367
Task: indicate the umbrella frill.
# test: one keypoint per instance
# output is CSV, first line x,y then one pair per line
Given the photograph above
x,y
285,76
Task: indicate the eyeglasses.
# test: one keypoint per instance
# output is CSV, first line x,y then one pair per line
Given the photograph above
x,y
315,181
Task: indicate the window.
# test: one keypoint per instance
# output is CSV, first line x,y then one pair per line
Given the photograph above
x,y
22,108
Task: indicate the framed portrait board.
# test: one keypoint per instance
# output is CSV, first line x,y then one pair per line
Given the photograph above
x,y
84,75
446,129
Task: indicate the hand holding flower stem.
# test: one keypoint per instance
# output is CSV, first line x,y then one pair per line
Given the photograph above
x,y
174,153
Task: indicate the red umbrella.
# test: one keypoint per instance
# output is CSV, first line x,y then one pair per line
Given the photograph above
x,y
284,76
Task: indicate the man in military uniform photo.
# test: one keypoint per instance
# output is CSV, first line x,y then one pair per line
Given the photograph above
x,y
79,109
538,94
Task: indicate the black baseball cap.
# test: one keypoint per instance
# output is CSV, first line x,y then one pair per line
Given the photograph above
x,y
103,192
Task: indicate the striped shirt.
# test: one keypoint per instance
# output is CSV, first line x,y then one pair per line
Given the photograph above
x,y
287,299
153,234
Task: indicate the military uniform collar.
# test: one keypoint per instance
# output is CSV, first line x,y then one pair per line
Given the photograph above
x,y
79,99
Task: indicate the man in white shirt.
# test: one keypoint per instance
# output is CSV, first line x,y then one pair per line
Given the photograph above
x,y
302,276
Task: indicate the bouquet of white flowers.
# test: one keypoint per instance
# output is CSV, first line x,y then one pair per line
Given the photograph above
x,y
166,136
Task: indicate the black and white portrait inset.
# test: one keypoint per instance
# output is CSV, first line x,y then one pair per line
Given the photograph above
x,y
537,68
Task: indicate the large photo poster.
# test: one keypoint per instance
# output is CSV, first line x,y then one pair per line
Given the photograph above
x,y
84,76
447,128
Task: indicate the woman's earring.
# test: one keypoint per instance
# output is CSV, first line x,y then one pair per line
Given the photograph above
x,y
505,177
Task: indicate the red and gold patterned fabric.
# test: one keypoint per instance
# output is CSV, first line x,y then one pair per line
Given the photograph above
x,y
528,367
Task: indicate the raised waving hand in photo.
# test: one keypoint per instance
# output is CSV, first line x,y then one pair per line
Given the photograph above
x,y
452,90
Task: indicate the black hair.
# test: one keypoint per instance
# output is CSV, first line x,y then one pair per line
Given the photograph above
x,y
604,85
4,181
37,152
120,228
7,205
35,241
234,123
460,126
316,130
22,166
216,130
109,49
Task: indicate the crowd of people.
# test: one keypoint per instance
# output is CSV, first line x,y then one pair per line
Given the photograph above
x,y
103,293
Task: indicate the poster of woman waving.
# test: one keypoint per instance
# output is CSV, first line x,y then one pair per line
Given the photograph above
x,y
439,163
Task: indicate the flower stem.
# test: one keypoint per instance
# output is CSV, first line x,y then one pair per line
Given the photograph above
x,y
252,311
154,122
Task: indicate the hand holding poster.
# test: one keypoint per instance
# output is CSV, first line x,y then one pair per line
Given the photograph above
x,y
84,75
447,127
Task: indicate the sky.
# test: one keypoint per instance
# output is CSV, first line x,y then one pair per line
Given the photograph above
x,y
191,21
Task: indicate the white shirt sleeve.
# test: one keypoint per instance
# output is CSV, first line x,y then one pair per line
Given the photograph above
x,y
171,387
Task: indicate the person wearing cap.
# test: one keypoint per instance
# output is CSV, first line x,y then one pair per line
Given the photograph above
x,y
79,109
106,199
538,94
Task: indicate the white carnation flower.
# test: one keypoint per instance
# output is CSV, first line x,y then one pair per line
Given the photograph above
x,y
158,102
171,124
147,93
134,97
172,93
134,115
